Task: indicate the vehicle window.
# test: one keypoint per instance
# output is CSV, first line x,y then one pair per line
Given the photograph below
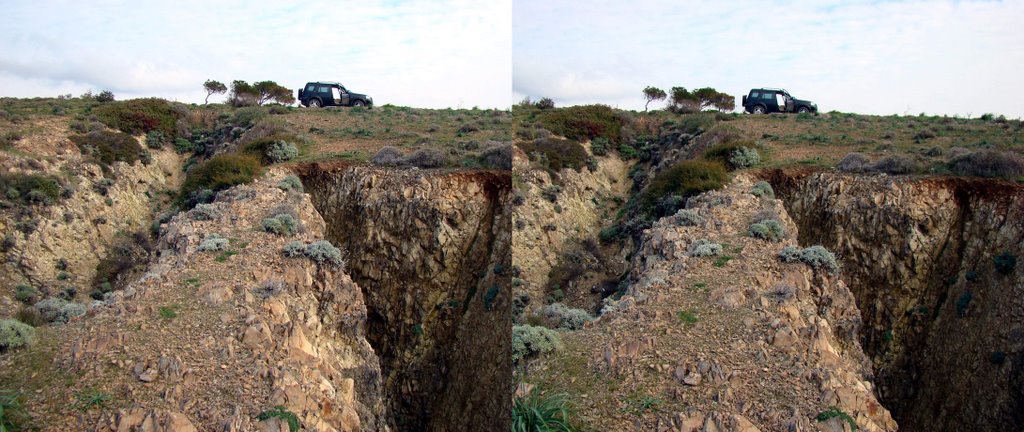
x,y
311,87
755,95
767,96
325,89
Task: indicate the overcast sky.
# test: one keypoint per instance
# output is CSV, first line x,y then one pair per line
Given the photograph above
x,y
880,57
423,53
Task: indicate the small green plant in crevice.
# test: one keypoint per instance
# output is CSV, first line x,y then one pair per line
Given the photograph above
x,y
223,256
723,260
282,224
90,398
769,229
534,413
638,405
283,414
1005,262
687,316
169,312
417,329
834,412
703,286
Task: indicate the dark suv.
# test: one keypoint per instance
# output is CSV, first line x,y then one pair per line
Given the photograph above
x,y
329,93
769,100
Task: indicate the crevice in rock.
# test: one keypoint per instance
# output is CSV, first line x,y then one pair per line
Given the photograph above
x,y
943,328
431,252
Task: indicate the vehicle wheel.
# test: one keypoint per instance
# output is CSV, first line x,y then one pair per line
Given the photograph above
x,y
358,103
803,110
759,109
314,103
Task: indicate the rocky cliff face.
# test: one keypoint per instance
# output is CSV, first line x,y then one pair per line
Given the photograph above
x,y
739,341
215,340
80,230
431,251
943,326
545,227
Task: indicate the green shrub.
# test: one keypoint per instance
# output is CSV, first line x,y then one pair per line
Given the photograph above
x,y
213,242
815,256
763,190
557,154
248,116
283,414
627,152
693,123
528,340
58,310
599,146
139,116
219,173
1005,262
15,334
183,146
281,151
536,413
25,294
168,312
608,234
290,183
13,416
155,139
584,122
689,218
769,229
567,317
744,157
281,224
685,179
687,317
30,188
294,249
107,147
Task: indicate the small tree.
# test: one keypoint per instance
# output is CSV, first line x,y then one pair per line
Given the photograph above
x,y
708,97
243,94
272,91
213,87
545,103
653,94
682,101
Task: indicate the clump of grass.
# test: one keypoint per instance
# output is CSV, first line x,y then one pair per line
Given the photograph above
x,y
283,414
534,413
168,312
687,316
90,398
642,404
13,416
722,260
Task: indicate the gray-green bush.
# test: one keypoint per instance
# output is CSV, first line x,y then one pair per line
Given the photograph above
x,y
567,317
281,224
58,310
815,256
769,229
15,334
323,251
744,157
281,151
290,183
704,248
528,341
763,190
213,242
205,212
689,218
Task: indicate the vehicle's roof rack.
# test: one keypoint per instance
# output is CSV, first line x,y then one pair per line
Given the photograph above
x,y
328,82
776,89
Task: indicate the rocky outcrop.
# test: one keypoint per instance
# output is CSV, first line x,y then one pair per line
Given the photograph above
x,y
79,230
544,227
431,251
237,339
739,341
943,327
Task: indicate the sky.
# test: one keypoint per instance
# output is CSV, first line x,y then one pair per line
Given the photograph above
x,y
421,53
874,57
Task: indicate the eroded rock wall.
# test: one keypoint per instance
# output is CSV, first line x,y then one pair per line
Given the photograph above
x,y
431,251
944,328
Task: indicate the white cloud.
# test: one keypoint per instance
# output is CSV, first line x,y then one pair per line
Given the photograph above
x,y
419,53
872,57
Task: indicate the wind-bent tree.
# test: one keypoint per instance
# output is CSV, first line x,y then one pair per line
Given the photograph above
x,y
242,94
213,87
708,97
653,94
272,91
682,101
